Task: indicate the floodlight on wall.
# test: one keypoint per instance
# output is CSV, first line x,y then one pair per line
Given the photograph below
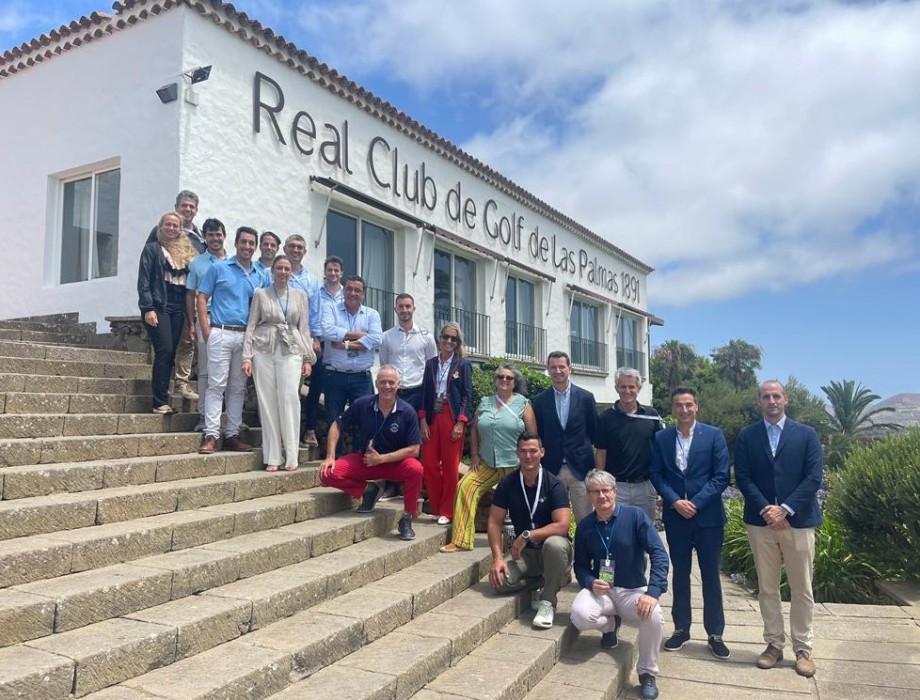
x,y
199,75
168,93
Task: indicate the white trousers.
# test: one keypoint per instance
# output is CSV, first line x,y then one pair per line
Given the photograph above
x,y
591,612
225,380
277,378
202,371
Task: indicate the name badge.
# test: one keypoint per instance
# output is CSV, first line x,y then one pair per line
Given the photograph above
x,y
606,571
438,404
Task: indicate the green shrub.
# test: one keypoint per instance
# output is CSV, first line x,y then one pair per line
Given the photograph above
x,y
875,497
839,575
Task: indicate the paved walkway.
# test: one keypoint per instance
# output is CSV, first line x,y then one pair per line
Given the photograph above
x,y
862,652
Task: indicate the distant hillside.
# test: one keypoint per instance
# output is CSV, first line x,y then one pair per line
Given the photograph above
x,y
906,409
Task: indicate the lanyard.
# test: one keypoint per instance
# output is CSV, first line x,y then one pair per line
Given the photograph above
x,y
443,369
287,301
607,540
682,451
536,500
352,320
382,421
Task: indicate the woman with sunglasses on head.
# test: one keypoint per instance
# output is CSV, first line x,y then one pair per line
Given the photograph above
x,y
499,420
277,352
447,397
161,298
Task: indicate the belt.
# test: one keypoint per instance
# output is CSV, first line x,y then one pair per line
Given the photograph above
x,y
238,329
330,368
634,481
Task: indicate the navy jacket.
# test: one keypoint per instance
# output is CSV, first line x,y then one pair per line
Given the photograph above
x,y
792,477
573,444
459,388
704,481
633,536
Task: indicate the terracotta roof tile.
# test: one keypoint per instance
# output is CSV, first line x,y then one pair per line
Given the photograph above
x,y
127,13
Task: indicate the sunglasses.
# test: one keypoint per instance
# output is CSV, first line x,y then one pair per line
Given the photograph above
x,y
450,338
504,378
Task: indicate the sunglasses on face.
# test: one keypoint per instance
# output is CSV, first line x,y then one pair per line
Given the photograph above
x,y
504,378
450,338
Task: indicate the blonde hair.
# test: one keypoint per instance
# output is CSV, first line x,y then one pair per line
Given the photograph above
x,y
180,249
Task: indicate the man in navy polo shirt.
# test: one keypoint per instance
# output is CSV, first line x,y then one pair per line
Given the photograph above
x,y
541,553
229,285
387,445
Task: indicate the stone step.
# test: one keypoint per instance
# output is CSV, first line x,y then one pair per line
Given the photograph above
x,y
70,511
33,480
38,351
42,608
331,606
55,450
62,337
48,320
49,425
187,630
14,402
75,368
87,386
38,557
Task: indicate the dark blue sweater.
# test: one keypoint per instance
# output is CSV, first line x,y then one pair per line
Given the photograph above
x,y
634,535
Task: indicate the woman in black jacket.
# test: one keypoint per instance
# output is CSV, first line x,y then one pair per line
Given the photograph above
x,y
161,298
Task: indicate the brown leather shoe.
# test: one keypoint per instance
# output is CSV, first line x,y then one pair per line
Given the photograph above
x,y
770,657
234,444
208,445
804,666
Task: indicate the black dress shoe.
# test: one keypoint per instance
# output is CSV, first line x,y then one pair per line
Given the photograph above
x,y
677,640
404,527
369,498
647,688
609,640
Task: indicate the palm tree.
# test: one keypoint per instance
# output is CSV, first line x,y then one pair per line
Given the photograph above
x,y
738,362
674,363
849,412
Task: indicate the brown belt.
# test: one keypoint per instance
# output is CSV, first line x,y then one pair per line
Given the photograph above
x,y
239,329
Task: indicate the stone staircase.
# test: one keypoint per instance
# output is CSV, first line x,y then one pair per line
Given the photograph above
x,y
133,568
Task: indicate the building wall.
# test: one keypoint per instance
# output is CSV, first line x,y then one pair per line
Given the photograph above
x,y
103,106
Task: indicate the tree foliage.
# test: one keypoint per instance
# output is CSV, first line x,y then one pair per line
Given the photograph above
x,y
738,362
850,418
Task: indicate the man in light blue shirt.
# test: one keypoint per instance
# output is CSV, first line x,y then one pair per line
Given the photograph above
x,y
229,285
214,235
352,332
268,249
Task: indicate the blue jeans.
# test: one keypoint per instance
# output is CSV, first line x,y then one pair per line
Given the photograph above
x,y
341,389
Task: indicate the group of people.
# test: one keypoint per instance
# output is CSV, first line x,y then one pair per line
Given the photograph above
x,y
274,321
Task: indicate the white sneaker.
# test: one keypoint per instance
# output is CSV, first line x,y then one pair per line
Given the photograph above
x,y
535,599
443,520
545,615
186,392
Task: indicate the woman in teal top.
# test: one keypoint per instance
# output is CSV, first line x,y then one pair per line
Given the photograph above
x,y
499,420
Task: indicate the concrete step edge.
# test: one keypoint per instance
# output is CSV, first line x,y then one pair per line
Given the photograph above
x,y
16,426
58,351
81,404
25,382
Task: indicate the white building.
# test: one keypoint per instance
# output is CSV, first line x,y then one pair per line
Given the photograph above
x,y
276,140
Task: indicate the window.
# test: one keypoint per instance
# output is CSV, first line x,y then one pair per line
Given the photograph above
x,y
89,226
368,249
455,299
523,340
584,333
629,349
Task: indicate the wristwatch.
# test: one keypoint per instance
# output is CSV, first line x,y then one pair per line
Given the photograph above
x,y
526,535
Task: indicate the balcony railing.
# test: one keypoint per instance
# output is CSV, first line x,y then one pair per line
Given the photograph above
x,y
475,327
525,343
383,301
588,354
631,358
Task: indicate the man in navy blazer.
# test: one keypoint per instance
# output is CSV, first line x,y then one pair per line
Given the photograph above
x,y
689,469
778,468
566,416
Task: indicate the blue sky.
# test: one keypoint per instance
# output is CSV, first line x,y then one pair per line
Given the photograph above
x,y
763,156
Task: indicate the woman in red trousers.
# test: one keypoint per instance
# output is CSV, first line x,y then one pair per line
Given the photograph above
x,y
447,395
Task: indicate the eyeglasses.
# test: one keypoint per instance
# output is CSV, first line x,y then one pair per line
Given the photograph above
x,y
600,492
450,338
504,378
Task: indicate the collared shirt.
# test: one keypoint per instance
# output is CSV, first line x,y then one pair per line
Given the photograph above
x,y
682,448
262,267
337,321
407,351
562,403
774,431
396,430
309,283
197,268
627,437
230,288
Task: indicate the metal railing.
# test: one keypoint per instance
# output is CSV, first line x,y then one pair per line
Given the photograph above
x,y
588,354
631,358
475,327
383,301
525,343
